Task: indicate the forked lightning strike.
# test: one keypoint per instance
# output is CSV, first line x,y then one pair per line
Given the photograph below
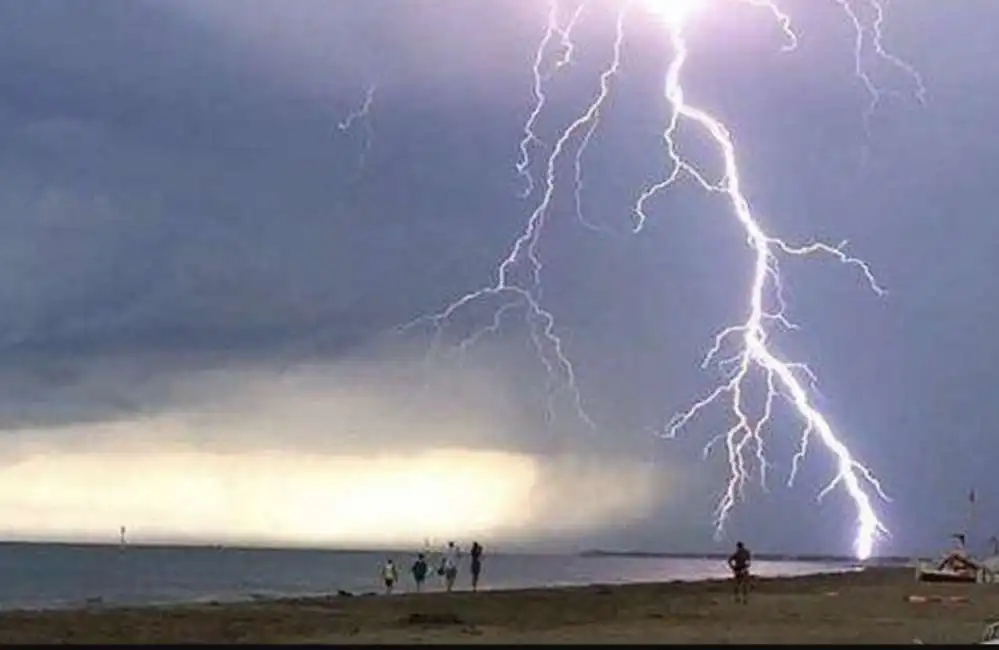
x,y
876,41
362,116
753,334
753,356
564,33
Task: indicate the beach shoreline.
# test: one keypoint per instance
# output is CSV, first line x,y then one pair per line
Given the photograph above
x,y
150,545
55,577
98,603
868,606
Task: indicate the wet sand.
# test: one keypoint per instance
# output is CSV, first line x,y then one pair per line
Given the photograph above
x,y
862,607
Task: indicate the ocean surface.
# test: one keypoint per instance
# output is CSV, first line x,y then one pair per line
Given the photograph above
x,y
42,576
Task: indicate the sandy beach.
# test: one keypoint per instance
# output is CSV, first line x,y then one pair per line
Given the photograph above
x,y
872,606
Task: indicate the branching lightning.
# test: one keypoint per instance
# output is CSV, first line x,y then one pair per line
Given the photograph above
x,y
872,37
361,116
564,34
752,356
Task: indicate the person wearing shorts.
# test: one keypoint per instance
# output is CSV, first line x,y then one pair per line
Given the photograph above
x,y
389,576
419,571
739,562
449,568
476,554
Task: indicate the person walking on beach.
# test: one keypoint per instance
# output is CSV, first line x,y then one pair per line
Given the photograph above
x,y
419,571
449,566
476,554
390,575
739,562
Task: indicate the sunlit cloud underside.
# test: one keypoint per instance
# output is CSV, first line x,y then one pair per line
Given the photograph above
x,y
315,460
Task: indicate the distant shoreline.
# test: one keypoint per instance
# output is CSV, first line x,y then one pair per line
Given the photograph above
x,y
765,557
592,553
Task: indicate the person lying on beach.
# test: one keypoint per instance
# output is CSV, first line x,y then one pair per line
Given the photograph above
x,y
419,571
389,575
739,562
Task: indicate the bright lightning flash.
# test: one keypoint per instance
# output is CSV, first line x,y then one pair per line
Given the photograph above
x,y
753,355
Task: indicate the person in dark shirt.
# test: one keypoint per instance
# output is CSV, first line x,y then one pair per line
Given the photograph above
x,y
739,562
476,564
419,571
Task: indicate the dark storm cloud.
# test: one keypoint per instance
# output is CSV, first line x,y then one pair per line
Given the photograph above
x,y
176,201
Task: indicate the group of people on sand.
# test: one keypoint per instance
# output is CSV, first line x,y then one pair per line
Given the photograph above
x,y
447,569
739,563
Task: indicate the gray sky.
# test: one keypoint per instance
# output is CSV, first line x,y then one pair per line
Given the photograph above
x,y
188,239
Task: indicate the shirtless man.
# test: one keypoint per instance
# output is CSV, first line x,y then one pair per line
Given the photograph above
x,y
476,564
739,562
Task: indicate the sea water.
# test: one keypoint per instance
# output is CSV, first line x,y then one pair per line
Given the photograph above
x,y
62,575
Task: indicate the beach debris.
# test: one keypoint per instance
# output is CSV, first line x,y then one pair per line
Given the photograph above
x,y
990,635
344,594
934,598
832,594
434,618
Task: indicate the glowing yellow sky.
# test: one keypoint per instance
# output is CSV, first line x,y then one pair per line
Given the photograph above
x,y
285,497
266,496
315,457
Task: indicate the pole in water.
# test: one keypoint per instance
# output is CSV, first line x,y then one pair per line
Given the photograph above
x,y
122,539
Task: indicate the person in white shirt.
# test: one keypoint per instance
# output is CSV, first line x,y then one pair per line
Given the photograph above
x,y
449,567
390,575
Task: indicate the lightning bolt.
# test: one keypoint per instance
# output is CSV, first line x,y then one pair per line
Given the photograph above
x,y
783,378
752,335
871,37
361,116
752,356
564,33
522,294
